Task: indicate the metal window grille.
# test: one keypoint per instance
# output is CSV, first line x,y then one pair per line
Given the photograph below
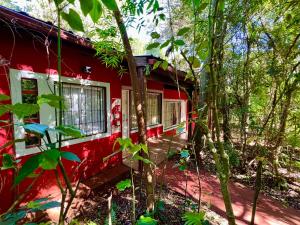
x,y
154,109
172,113
29,90
85,108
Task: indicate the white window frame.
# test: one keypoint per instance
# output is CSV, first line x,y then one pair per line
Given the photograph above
x,y
47,113
183,105
162,98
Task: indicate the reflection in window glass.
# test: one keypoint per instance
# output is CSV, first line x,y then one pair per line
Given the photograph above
x,y
86,109
172,113
29,89
153,110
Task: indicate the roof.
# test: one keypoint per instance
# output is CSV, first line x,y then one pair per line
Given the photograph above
x,y
25,21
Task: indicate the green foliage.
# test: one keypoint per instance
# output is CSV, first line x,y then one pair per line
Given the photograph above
x,y
113,212
21,110
73,20
70,156
4,97
195,218
234,158
155,35
41,204
184,153
179,42
146,220
48,160
110,4
123,185
28,168
86,6
153,45
183,31
8,162
96,11
52,100
69,131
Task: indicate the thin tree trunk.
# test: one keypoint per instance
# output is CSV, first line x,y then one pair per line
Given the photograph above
x,y
221,158
257,190
281,132
138,103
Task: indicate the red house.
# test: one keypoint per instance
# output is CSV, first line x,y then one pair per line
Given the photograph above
x,y
99,100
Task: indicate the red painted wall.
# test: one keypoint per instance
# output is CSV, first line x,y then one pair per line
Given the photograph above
x,y
29,53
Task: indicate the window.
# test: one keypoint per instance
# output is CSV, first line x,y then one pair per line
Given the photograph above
x,y
29,90
172,113
153,110
86,108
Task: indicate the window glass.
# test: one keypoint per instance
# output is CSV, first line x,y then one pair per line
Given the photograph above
x,y
153,110
172,113
29,91
86,108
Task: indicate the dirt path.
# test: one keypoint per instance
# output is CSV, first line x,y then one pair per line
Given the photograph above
x,y
269,211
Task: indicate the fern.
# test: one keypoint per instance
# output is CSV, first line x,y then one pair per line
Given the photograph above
x,y
194,218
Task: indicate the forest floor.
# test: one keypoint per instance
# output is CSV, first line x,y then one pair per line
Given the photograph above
x,y
174,204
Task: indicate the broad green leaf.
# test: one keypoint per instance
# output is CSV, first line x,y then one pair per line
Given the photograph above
x,y
5,108
52,100
4,97
36,128
123,185
146,220
144,148
48,160
28,168
69,131
203,6
179,42
58,2
86,6
222,5
182,167
196,3
96,11
140,158
194,61
8,162
156,64
160,205
153,45
183,31
165,44
155,35
184,154
165,65
110,4
22,110
73,20
70,156
13,218
42,204
71,1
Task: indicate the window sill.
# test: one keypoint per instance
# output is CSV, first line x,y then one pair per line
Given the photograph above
x,y
148,128
171,128
33,150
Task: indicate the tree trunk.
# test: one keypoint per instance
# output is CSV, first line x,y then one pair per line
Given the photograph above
x,y
281,132
216,20
138,103
257,190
